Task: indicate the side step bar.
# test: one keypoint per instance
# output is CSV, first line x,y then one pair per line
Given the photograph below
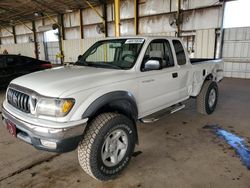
x,y
158,115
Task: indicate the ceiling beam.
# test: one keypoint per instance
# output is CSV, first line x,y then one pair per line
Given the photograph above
x,y
41,4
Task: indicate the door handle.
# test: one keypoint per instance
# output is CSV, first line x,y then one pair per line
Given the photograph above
x,y
147,81
175,75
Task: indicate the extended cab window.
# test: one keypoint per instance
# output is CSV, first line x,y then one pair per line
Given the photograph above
x,y
161,50
180,53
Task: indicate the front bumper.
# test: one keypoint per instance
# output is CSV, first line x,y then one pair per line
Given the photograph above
x,y
63,139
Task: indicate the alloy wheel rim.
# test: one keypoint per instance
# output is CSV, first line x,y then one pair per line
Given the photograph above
x,y
114,147
212,98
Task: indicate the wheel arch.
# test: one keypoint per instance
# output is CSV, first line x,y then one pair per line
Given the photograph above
x,y
121,101
117,101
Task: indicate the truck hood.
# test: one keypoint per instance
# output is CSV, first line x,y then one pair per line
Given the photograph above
x,y
54,82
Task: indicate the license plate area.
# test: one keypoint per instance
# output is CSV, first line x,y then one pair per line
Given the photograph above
x,y
11,127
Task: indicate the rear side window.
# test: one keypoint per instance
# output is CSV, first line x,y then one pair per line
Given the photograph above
x,y
13,61
26,60
180,53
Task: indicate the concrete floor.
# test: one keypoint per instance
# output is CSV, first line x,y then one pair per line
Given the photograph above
x,y
173,152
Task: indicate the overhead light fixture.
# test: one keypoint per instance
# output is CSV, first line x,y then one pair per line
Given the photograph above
x,y
68,10
38,14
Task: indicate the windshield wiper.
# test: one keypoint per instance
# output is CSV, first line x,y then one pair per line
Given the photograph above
x,y
107,65
82,63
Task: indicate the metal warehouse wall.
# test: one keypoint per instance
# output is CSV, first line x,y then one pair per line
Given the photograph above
x,y
236,52
73,48
153,20
26,49
204,44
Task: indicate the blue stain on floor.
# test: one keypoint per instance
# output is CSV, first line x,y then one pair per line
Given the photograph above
x,y
236,142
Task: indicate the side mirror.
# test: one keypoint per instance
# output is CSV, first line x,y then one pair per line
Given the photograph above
x,y
152,64
79,57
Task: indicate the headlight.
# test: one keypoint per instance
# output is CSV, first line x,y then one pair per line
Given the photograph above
x,y
54,107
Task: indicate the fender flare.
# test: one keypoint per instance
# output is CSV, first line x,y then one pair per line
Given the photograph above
x,y
121,100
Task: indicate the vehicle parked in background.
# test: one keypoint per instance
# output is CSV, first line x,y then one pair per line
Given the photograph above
x,y
95,104
13,66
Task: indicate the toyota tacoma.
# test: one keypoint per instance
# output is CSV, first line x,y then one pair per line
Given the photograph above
x,y
94,104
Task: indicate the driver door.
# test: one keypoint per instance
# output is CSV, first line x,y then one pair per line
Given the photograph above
x,y
158,88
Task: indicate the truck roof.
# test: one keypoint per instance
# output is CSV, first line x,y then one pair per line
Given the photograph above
x,y
146,37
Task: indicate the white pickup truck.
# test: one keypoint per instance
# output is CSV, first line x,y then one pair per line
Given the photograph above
x,y
94,104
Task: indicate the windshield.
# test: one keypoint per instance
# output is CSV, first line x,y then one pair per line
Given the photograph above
x,y
116,54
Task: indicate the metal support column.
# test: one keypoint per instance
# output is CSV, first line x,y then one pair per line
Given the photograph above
x,y
104,9
35,39
178,18
81,24
136,13
14,33
62,26
61,36
117,18
222,29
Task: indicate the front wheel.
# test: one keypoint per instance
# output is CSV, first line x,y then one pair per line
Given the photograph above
x,y
107,146
208,97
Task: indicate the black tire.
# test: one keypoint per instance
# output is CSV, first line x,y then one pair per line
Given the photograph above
x,y
90,148
203,106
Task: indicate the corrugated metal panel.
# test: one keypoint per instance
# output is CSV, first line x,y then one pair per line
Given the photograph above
x,y
236,52
39,37
21,29
74,48
72,33
89,16
149,7
89,42
204,43
111,29
24,38
190,4
38,24
72,19
41,51
155,24
7,40
127,28
127,9
48,21
202,19
110,12
91,32
6,33
26,49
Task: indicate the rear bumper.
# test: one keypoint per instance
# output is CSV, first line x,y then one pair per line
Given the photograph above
x,y
57,139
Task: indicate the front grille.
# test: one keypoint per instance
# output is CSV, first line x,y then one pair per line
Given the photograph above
x,y
19,100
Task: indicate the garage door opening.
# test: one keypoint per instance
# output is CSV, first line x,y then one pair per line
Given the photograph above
x,y
52,47
237,14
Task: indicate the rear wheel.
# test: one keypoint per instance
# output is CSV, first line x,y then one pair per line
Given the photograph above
x,y
208,97
107,146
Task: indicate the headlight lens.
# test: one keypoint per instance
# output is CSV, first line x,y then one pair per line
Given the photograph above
x,y
54,107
